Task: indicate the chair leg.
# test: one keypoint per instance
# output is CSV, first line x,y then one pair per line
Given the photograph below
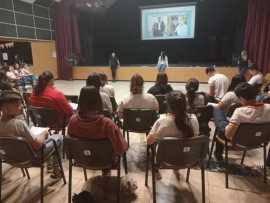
x,y
264,164
125,162
23,173
59,162
226,165
154,181
128,137
212,147
188,172
203,183
85,174
42,176
119,182
243,157
69,180
147,166
27,174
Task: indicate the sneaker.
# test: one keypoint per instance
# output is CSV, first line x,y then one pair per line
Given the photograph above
x,y
56,174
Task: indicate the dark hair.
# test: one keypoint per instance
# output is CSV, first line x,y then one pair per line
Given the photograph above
x,y
94,79
162,79
237,79
89,101
162,55
246,91
192,87
210,69
136,84
176,102
103,78
252,66
43,81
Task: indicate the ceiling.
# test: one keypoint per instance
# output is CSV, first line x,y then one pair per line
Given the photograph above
x,y
46,3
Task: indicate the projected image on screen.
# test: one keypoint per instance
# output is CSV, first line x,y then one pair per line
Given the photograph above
x,y
168,23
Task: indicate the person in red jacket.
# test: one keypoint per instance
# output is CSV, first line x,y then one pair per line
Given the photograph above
x,y
47,96
90,123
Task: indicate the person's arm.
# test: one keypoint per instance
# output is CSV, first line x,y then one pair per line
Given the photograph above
x,y
230,130
166,61
211,90
153,134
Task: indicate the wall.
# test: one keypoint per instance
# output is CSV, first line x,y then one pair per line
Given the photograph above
x,y
22,20
44,57
175,74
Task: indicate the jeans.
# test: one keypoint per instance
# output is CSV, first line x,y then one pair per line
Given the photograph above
x,y
221,122
162,67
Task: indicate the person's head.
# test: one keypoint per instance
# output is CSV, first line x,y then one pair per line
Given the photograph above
x,y
252,69
89,101
237,79
192,87
210,71
162,79
16,66
244,55
103,78
10,103
176,102
93,79
136,84
45,79
246,93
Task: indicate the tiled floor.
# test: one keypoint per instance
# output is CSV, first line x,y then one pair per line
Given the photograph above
x,y
169,189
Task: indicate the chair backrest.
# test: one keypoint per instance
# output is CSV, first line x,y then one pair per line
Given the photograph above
x,y
72,98
232,109
162,103
93,154
45,117
204,114
139,120
114,104
205,97
172,152
251,135
266,100
16,151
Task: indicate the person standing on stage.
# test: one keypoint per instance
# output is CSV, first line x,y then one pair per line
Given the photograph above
x,y
162,62
114,63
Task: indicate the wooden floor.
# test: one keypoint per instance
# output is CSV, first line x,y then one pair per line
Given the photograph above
x,y
172,188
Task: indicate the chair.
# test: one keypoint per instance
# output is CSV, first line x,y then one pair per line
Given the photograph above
x,y
25,157
162,103
248,136
114,104
72,98
266,100
138,120
178,153
204,115
93,155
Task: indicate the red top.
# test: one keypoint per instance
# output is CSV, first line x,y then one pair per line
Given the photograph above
x,y
98,127
54,99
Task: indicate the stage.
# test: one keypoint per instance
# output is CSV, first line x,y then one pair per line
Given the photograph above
x,y
175,74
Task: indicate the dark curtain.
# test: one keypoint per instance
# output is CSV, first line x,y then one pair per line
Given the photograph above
x,y
67,38
257,34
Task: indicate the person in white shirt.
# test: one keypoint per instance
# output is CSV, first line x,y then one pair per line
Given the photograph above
x,y
105,87
94,80
218,83
256,76
177,123
138,99
162,62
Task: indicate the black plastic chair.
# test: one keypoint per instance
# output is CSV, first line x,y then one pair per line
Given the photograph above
x,y
204,115
138,120
25,157
162,103
93,155
248,136
178,153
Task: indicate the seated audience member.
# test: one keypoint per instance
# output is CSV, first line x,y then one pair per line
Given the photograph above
x,y
91,124
193,98
161,87
218,84
26,76
177,123
94,80
11,125
138,99
256,77
230,97
12,74
47,96
251,111
4,81
105,87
